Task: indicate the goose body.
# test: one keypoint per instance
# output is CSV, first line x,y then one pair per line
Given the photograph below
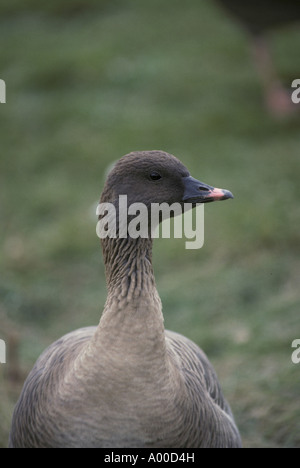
x,y
258,17
128,382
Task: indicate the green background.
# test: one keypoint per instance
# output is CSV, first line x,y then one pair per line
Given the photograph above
x,y
89,81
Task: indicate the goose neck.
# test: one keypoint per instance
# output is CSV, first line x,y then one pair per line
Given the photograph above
x,y
129,270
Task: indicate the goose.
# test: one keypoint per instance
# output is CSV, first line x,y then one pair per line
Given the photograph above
x,y
258,17
129,382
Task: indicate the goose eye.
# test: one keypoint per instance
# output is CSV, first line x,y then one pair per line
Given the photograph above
x,y
155,176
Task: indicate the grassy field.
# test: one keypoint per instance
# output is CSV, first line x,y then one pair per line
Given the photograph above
x,y
89,81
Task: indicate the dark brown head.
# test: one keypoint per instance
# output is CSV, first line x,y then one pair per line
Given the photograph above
x,y
157,177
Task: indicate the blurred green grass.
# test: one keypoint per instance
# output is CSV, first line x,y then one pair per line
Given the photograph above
x,y
90,81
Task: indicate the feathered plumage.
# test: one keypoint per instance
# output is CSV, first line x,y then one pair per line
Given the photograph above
x,y
128,382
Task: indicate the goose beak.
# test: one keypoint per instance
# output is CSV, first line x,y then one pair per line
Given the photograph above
x,y
198,192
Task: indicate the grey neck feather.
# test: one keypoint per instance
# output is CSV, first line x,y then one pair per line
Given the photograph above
x,y
131,327
132,295
129,271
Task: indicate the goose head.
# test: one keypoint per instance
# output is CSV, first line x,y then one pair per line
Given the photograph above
x,y
157,177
